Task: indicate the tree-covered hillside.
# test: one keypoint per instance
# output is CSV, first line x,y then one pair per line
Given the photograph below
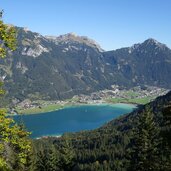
x,y
136,141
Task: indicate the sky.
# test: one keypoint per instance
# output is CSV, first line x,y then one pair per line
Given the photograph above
x,y
111,23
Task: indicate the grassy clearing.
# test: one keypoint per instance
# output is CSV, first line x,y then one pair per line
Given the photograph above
x,y
131,94
46,107
144,100
42,109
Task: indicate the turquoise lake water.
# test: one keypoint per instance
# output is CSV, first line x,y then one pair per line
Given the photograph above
x,y
72,119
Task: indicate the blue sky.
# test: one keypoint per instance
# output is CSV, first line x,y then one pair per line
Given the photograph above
x,y
112,23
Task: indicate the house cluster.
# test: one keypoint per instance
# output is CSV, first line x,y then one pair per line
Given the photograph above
x,y
116,92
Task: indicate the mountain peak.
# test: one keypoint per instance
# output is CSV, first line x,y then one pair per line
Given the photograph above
x,y
149,43
153,42
74,38
72,34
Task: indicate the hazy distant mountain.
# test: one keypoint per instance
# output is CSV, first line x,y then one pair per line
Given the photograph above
x,y
49,67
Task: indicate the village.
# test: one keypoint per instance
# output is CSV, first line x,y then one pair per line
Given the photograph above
x,y
136,95
149,92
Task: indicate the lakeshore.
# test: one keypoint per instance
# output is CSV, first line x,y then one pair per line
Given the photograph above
x,y
135,96
71,119
54,107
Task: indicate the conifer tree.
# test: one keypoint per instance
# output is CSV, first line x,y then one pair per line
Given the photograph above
x,y
67,155
144,154
166,139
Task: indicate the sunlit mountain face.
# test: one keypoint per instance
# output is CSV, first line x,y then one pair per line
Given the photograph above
x,y
51,68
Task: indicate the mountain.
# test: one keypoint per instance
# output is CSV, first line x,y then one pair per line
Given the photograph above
x,y
114,146
52,68
49,67
73,38
146,63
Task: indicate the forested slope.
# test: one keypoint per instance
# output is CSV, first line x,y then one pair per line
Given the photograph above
x,y
136,141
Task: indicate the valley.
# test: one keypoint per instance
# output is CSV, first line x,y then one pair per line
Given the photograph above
x,y
116,141
136,95
57,68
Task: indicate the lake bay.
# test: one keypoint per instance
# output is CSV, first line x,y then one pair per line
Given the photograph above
x,y
72,119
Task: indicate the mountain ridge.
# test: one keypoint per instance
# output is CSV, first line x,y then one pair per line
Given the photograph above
x,y
59,68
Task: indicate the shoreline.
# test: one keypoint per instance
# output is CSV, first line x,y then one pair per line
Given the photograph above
x,y
48,136
58,134
79,104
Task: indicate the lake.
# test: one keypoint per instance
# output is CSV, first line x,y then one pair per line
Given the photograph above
x,y
72,119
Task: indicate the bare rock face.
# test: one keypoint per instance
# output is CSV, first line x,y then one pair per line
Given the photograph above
x,y
73,38
37,51
22,67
